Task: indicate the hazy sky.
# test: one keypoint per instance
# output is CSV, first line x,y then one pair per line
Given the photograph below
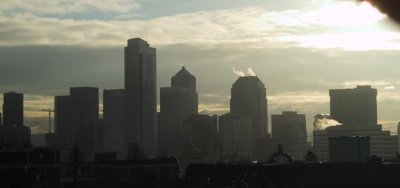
x,y
299,48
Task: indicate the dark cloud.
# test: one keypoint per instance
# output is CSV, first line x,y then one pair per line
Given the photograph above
x,y
51,70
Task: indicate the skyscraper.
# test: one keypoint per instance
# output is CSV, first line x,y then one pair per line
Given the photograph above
x,y
289,130
113,116
84,106
62,125
176,103
141,95
234,135
13,109
200,138
354,107
248,98
13,133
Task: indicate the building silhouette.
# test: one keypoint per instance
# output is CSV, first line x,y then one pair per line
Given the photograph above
x,y
177,103
354,107
248,98
289,130
200,138
234,136
113,118
349,149
357,110
13,109
76,119
141,95
84,105
62,122
13,133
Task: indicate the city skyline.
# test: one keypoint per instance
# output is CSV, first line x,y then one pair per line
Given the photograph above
x,y
297,72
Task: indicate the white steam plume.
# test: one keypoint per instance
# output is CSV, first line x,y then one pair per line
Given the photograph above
x,y
323,121
238,72
250,72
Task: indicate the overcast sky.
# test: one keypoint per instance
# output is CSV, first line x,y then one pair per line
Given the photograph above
x,y
299,48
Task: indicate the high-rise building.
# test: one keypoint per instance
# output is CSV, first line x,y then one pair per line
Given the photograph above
x,y
141,95
84,106
200,138
289,130
13,109
176,103
62,122
354,107
234,135
113,117
14,134
248,98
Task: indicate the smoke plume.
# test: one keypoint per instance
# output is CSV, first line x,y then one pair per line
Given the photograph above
x,y
323,121
389,7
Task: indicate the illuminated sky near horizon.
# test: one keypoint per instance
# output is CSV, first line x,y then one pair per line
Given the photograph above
x,y
299,48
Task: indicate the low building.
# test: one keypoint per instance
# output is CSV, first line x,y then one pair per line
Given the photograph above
x,y
349,149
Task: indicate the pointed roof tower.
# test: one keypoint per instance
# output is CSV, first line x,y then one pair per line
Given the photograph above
x,y
184,78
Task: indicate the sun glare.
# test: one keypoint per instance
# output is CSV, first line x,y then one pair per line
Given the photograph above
x,y
347,14
344,25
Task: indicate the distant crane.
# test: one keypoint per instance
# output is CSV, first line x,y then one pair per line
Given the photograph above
x,y
49,111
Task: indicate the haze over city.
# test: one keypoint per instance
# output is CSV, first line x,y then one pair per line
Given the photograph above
x,y
299,49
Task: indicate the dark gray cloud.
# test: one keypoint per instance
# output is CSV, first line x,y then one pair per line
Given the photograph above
x,y
50,70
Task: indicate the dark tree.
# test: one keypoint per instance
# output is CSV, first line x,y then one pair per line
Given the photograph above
x,y
374,160
311,157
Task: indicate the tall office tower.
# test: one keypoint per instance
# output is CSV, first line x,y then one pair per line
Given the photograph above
x,y
141,95
13,133
176,103
84,105
62,122
113,116
200,138
248,98
234,136
289,130
13,109
354,107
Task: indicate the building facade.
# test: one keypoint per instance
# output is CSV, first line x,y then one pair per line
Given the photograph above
x,y
289,130
141,95
200,138
13,133
234,135
354,107
248,98
13,109
113,118
177,103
